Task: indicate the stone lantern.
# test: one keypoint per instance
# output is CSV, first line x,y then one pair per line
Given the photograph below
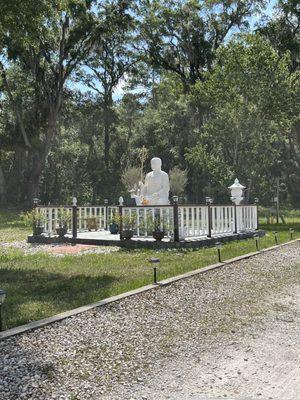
x,y
237,192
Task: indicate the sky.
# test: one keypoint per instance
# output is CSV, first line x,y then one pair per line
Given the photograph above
x,y
269,12
120,89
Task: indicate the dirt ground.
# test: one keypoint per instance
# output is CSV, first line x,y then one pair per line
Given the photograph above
x,y
265,365
261,362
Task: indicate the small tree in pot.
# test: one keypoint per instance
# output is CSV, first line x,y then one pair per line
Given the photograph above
x,y
156,225
128,226
63,220
36,219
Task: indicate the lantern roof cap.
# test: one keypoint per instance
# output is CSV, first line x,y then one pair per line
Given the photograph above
x,y
236,185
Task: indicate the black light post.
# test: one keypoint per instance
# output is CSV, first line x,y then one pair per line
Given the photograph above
x,y
208,201
154,261
219,246
235,218
256,203
176,218
2,299
74,219
276,236
291,233
106,213
35,202
121,202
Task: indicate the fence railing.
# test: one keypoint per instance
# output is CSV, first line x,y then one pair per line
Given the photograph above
x,y
222,219
51,216
177,221
144,218
193,221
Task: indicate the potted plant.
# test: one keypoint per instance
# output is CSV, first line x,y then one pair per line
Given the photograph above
x,y
158,228
63,220
158,234
91,223
129,224
155,225
114,225
36,219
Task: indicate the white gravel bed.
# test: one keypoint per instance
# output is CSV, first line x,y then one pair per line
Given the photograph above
x,y
33,248
193,339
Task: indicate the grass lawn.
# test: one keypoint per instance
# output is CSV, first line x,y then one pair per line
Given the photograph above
x,y
11,226
41,285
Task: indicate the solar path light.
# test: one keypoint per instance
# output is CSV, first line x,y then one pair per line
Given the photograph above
x,y
291,233
256,237
2,299
275,233
219,246
154,261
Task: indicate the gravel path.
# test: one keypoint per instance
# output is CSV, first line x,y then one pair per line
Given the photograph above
x,y
231,333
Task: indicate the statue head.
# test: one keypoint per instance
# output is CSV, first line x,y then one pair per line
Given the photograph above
x,y
156,164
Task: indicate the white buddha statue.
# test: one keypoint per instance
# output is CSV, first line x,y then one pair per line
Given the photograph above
x,y
155,190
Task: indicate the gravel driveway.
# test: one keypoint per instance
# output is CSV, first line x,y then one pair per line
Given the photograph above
x,y
231,333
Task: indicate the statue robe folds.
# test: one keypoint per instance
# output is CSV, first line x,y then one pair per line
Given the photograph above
x,y
156,188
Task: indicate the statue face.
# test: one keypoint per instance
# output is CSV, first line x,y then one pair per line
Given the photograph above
x,y
156,164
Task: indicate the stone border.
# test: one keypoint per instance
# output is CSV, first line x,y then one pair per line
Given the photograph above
x,y
132,244
59,317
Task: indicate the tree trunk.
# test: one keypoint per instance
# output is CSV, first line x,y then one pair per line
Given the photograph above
x,y
248,191
108,120
15,176
38,160
3,198
106,142
32,178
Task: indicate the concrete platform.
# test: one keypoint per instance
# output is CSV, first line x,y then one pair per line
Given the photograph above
x,y
105,238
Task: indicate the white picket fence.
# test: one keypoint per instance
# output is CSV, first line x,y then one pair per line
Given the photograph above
x,y
87,213
246,218
141,215
51,215
193,220
222,219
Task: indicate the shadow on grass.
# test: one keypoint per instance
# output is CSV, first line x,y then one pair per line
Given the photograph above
x,y
33,295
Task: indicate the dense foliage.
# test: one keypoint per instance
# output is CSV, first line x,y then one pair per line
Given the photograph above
x,y
84,85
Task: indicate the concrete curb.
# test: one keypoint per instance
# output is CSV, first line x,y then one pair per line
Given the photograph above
x,y
59,317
